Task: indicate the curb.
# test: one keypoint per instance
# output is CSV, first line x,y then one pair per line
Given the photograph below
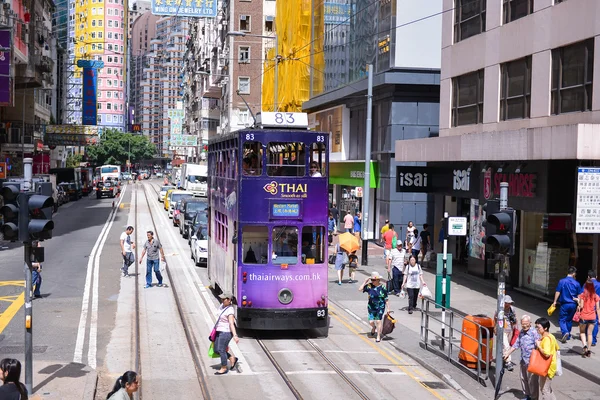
x,y
91,383
580,371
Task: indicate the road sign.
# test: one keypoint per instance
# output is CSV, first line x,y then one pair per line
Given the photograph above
x,y
588,200
457,226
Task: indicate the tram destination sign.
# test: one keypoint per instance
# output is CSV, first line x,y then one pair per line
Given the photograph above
x,y
286,209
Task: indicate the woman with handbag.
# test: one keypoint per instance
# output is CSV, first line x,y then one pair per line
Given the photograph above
x,y
588,309
378,302
544,359
413,279
341,260
225,331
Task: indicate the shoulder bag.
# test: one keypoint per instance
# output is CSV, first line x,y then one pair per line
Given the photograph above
x,y
213,333
538,364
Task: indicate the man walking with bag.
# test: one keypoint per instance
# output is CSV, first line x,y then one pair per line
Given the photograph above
x,y
566,293
127,247
396,266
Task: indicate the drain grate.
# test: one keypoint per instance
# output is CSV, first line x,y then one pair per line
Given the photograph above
x,y
21,349
434,385
382,370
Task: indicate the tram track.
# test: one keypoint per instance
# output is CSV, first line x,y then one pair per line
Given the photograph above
x,y
191,341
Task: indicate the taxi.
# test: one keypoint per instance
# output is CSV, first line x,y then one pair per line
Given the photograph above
x,y
168,199
107,188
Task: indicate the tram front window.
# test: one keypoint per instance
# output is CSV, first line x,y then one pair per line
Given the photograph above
x,y
285,245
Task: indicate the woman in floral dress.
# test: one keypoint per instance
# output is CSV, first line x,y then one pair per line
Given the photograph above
x,y
378,302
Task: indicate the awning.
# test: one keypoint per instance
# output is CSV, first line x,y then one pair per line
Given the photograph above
x,y
352,173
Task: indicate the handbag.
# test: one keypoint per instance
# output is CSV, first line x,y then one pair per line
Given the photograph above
x,y
213,334
551,310
345,259
515,336
332,259
394,241
389,324
389,285
538,364
577,316
211,351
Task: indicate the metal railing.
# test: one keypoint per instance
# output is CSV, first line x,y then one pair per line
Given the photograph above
x,y
445,344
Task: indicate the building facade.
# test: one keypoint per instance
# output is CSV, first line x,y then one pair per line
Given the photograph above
x,y
525,112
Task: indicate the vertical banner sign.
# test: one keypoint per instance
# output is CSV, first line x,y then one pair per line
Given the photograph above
x,y
588,200
176,116
90,88
6,81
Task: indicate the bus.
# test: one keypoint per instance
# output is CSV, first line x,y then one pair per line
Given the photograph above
x,y
267,226
108,171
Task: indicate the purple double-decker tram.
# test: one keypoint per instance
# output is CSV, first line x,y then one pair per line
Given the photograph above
x,y
268,206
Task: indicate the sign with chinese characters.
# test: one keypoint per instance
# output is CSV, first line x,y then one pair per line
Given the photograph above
x,y
6,81
285,210
183,141
457,226
185,8
89,109
588,200
339,14
72,135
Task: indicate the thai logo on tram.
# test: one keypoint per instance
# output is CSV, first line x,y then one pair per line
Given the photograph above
x,y
286,189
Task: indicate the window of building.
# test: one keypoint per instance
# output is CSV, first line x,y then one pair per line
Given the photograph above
x,y
286,159
120,116
244,54
109,70
515,9
100,22
110,23
285,245
313,244
245,23
93,23
572,77
108,106
467,99
269,23
515,92
110,11
93,10
255,244
99,82
99,46
100,35
109,94
469,18
252,159
99,105
109,82
244,84
116,24
116,94
109,35
93,46
99,118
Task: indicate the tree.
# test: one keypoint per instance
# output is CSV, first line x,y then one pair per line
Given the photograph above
x,y
114,147
73,160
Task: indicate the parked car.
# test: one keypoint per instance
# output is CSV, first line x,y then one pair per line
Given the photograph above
x,y
71,190
107,188
61,196
176,197
167,199
189,209
199,247
200,218
163,192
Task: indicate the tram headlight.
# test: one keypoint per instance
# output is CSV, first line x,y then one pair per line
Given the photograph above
x,y
285,296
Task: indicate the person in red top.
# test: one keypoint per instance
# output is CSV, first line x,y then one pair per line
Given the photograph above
x,y
387,239
589,309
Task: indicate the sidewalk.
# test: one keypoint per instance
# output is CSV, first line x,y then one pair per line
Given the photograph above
x,y
474,295
63,381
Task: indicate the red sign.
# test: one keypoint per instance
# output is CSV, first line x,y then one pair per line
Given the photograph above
x,y
2,170
519,185
487,184
136,128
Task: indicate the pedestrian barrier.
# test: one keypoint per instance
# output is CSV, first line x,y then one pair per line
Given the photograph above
x,y
471,350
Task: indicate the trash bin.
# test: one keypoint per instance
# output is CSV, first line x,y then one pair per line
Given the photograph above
x,y
469,345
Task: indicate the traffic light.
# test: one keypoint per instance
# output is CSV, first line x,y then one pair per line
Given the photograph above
x,y
10,211
502,239
491,207
40,206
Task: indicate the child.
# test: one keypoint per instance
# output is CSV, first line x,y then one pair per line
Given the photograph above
x,y
352,265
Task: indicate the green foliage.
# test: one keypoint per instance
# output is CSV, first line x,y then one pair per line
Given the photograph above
x,y
114,147
73,160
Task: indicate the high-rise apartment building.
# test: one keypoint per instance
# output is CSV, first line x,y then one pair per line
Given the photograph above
x,y
519,103
97,30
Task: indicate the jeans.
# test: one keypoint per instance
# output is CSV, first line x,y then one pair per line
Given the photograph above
x,y
397,278
221,344
413,295
565,318
153,264
36,280
415,253
595,331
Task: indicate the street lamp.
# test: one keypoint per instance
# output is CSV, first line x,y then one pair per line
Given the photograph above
x,y
277,57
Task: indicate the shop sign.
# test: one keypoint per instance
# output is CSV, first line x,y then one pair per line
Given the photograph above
x,y
588,200
2,170
487,184
412,180
451,180
462,180
457,226
352,174
519,185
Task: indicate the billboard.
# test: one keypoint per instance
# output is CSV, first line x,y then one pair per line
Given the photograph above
x,y
183,140
72,135
6,81
185,8
339,14
90,86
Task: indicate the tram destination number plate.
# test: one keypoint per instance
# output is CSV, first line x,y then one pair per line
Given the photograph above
x,y
321,313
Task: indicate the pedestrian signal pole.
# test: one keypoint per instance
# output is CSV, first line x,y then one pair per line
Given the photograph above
x,y
23,231
503,263
367,182
444,277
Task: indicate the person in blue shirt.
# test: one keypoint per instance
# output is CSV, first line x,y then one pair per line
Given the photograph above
x,y
357,222
566,293
592,276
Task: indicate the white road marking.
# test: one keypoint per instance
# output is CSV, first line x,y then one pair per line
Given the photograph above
x,y
96,251
329,372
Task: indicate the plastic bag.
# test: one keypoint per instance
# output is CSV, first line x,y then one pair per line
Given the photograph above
x,y
551,310
559,369
211,351
425,292
402,294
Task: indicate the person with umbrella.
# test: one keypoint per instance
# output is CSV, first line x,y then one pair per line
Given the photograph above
x,y
348,244
526,343
378,302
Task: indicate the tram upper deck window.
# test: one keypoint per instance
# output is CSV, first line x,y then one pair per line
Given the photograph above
x,y
252,159
317,163
286,159
285,245
255,244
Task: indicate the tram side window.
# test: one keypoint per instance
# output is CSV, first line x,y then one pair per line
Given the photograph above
x,y
285,245
286,159
313,244
252,158
255,244
316,161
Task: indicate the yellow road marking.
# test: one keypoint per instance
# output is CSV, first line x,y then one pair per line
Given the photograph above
x,y
11,311
12,283
390,357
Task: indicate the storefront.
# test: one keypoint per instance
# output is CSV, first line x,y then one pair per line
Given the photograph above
x,y
346,183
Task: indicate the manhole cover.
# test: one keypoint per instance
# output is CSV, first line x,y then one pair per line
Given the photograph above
x,y
21,349
435,385
382,370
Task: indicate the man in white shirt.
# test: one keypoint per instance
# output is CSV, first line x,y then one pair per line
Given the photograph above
x,y
396,266
127,246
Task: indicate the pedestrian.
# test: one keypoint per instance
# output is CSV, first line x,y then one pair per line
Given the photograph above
x,y
127,247
396,267
548,347
510,328
384,229
589,309
330,228
425,240
314,170
226,330
388,239
348,222
335,212
597,289
407,254
410,232
566,294
526,344
416,244
36,274
378,302
357,225
413,279
341,259
10,373
152,246
125,386
352,266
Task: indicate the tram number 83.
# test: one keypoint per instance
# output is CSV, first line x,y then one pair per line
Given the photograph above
x,y
321,314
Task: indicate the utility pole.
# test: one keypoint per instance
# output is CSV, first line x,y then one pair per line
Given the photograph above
x,y
503,263
367,183
27,267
